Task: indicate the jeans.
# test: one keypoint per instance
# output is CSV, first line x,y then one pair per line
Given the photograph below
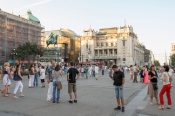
x,y
118,92
56,92
167,89
35,82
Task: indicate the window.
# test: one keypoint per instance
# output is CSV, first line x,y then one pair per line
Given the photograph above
x,y
124,59
123,42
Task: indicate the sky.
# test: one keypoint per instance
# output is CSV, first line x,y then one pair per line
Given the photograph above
x,y
152,20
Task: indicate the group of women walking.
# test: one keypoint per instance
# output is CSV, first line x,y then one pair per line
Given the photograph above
x,y
153,86
9,73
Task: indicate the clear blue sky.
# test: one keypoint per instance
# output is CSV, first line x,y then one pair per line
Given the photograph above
x,y
152,20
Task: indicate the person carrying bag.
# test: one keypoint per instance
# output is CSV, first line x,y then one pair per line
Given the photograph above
x,y
57,86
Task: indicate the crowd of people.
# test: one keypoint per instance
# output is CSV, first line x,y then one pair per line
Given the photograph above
x,y
53,73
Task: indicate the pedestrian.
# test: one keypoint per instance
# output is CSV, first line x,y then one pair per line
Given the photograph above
x,y
153,87
31,75
166,78
135,70
36,75
42,77
18,82
82,71
146,80
90,71
96,71
142,74
6,72
72,76
50,80
56,74
110,72
10,78
131,73
93,71
86,71
103,69
119,81
171,71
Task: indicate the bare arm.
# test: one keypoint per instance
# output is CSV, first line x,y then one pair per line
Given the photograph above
x,y
68,77
8,71
19,74
123,81
78,76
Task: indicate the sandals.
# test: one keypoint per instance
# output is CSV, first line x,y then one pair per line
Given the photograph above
x,y
151,103
168,107
22,95
160,108
15,97
5,95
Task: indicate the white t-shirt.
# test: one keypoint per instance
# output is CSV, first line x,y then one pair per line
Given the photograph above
x,y
171,72
167,78
42,72
96,69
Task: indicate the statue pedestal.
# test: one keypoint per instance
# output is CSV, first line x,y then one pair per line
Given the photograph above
x,y
51,54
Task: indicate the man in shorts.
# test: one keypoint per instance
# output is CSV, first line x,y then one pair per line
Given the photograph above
x,y
71,78
119,81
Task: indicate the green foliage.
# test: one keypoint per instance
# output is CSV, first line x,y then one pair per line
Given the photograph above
x,y
156,63
23,51
172,59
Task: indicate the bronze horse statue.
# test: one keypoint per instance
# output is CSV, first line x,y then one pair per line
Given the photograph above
x,y
52,40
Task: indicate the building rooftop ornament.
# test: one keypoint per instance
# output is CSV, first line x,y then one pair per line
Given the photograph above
x,y
29,16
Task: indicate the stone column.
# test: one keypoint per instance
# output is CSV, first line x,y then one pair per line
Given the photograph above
x,y
108,52
113,51
98,52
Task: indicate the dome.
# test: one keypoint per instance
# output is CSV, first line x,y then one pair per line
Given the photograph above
x,y
29,16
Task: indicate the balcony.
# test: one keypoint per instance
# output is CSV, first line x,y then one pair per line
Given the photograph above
x,y
105,56
106,47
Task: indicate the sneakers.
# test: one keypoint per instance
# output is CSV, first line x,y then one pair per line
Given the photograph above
x,y
119,108
75,101
123,109
71,102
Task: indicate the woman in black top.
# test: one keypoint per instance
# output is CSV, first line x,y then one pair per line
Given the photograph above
x,y
152,87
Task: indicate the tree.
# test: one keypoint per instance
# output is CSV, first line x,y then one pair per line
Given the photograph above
x,y
156,63
27,49
172,57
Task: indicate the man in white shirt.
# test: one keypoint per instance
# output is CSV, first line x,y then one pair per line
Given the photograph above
x,y
90,71
96,71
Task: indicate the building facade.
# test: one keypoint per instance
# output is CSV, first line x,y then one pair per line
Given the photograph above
x,y
118,45
16,30
172,49
68,41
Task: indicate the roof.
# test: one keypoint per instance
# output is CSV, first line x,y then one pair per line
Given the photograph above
x,y
31,17
68,33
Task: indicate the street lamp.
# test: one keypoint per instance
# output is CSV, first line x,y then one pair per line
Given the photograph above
x,y
13,54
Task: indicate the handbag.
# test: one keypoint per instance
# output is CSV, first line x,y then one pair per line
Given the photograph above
x,y
16,77
59,85
155,87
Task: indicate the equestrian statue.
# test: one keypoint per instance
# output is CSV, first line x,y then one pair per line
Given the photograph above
x,y
52,40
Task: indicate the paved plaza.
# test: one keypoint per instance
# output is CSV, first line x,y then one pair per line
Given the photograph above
x,y
95,98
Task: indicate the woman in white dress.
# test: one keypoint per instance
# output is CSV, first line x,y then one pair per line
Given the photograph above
x,y
6,79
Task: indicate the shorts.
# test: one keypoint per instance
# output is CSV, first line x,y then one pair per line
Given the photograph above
x,y
72,87
118,92
42,80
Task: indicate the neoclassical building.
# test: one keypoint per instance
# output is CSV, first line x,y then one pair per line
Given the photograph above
x,y
117,45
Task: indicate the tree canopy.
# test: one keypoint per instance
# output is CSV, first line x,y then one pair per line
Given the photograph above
x,y
156,63
23,51
172,57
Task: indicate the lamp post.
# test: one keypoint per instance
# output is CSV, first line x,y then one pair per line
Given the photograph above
x,y
13,54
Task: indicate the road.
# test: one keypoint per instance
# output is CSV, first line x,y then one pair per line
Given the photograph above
x,y
95,98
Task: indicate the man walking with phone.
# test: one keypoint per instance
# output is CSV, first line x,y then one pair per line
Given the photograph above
x,y
119,81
